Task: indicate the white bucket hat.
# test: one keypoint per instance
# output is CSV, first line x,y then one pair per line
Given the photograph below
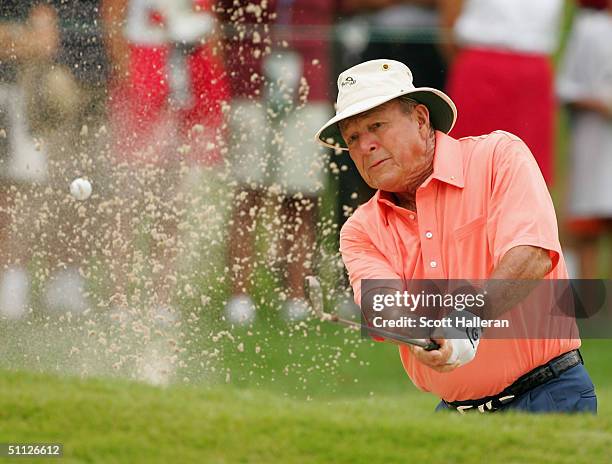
x,y
372,83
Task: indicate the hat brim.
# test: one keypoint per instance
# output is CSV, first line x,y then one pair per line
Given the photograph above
x,y
442,114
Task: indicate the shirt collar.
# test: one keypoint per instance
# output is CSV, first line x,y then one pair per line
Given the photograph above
x,y
385,203
448,160
448,167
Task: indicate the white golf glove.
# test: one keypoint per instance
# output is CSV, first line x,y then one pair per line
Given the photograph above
x,y
463,340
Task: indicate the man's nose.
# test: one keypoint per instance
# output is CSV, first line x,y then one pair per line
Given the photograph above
x,y
369,144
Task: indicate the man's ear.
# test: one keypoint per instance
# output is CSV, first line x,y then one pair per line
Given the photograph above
x,y
421,114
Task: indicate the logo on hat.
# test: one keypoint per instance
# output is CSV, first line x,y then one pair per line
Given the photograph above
x,y
348,81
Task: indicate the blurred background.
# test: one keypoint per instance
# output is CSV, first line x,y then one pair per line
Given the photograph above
x,y
194,122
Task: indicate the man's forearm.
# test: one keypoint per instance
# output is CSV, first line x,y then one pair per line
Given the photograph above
x,y
517,274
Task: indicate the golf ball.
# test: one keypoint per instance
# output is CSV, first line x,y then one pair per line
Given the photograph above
x,y
80,189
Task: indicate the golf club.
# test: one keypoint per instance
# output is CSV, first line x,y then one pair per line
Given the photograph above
x,y
314,294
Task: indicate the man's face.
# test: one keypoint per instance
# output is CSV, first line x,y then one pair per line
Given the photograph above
x,y
388,145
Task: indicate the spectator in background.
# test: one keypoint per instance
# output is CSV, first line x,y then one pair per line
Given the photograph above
x,y
28,34
39,106
69,115
499,53
280,96
585,85
168,77
166,102
403,30
53,75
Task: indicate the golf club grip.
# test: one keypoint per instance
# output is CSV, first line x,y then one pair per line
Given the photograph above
x,y
427,346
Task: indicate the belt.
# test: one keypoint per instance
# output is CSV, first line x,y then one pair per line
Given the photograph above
x,y
532,379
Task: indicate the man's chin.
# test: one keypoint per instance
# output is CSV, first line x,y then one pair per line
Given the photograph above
x,y
377,182
387,186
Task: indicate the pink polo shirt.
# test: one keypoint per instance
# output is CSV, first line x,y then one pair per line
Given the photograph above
x,y
486,195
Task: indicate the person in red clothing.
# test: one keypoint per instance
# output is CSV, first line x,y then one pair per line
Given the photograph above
x,y
168,78
166,100
500,73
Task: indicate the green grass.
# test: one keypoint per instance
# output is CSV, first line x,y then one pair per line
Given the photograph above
x,y
113,420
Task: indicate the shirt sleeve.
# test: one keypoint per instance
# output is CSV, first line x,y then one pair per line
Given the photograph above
x,y
363,260
521,211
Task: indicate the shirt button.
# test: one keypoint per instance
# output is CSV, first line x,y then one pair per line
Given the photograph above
x,y
428,234
433,264
411,217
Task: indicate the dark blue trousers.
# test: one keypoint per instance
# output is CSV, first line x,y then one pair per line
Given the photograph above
x,y
572,391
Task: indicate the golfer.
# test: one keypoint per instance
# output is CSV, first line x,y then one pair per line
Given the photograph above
x,y
473,208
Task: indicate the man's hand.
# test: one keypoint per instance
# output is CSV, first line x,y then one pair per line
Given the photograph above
x,y
436,359
457,346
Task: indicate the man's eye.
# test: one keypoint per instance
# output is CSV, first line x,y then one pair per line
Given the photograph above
x,y
376,125
352,139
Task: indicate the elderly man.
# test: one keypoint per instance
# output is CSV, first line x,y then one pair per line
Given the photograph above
x,y
474,208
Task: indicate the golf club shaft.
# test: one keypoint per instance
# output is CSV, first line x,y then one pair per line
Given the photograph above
x,y
312,288
426,345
